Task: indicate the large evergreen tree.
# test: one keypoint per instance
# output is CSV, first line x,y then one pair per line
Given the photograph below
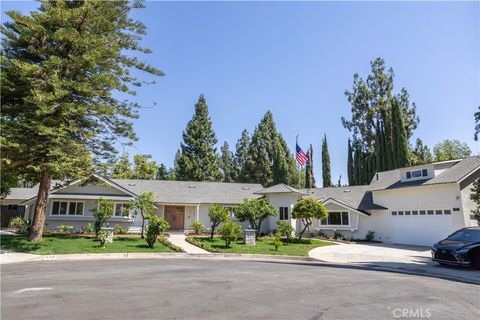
x,y
197,158
60,67
399,139
241,157
228,167
421,154
350,165
309,177
280,168
326,175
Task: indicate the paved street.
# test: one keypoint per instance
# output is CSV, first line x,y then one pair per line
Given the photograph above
x,y
220,289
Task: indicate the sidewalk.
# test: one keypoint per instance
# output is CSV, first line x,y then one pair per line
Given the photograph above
x,y
178,239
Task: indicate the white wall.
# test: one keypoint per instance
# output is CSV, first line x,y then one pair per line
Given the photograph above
x,y
278,200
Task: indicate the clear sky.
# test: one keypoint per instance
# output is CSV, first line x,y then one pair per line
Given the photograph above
x,y
297,59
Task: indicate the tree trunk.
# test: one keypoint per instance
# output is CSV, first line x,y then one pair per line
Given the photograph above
x,y
36,230
213,232
301,233
143,226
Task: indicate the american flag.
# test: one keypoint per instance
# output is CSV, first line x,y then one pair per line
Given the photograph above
x,y
301,157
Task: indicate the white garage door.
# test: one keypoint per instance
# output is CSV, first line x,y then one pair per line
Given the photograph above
x,y
423,230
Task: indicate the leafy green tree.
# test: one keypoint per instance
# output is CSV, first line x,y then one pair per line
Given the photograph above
x,y
228,166
326,175
451,150
307,210
277,242
197,158
122,168
102,212
241,157
230,232
217,215
143,168
60,67
475,197
156,226
255,211
421,154
145,205
309,177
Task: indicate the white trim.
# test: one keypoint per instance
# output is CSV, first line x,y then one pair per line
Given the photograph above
x,y
68,209
341,219
115,209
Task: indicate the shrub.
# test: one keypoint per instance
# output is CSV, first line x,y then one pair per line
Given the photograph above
x,y
202,245
308,209
337,236
156,226
102,213
217,215
87,229
277,242
163,240
45,229
118,229
102,235
230,231
370,235
145,204
65,228
322,235
198,227
18,223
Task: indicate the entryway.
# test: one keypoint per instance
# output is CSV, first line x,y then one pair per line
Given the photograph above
x,y
175,216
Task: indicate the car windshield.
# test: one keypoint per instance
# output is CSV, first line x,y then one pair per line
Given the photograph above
x,y
466,235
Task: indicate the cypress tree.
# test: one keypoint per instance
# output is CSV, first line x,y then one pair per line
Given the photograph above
x,y
228,169
350,168
241,157
399,137
280,169
326,176
309,178
197,159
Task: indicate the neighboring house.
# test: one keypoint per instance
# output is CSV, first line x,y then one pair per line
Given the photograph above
x,y
416,205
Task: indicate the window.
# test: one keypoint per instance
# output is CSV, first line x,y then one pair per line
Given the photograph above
x,y
407,213
447,212
424,172
337,219
417,173
415,212
63,208
422,212
283,213
430,212
394,213
120,210
409,175
12,207
400,213
438,211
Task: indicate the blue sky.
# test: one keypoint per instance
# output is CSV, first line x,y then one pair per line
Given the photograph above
x,y
297,59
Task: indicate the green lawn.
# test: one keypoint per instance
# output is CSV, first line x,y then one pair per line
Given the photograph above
x,y
59,245
264,246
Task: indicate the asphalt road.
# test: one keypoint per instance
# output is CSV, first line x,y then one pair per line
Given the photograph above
x,y
225,289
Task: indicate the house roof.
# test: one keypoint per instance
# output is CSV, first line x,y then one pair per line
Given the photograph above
x,y
188,192
457,171
22,193
358,197
279,188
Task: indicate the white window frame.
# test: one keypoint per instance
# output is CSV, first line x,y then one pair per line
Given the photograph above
x,y
280,213
68,209
115,210
341,220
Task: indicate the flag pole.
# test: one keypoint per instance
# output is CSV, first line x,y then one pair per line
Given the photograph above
x,y
296,144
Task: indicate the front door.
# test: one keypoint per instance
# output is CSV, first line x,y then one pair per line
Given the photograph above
x,y
175,216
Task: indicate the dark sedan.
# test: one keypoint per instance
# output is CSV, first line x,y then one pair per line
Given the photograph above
x,y
461,248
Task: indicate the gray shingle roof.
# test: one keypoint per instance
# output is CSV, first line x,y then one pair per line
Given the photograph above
x,y
391,179
279,188
22,193
358,197
192,192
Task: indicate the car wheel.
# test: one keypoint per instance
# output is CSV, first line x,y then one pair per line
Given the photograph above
x,y
476,260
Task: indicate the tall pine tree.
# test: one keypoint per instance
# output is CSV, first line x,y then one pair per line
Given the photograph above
x,y
197,158
309,177
228,167
241,157
326,175
350,165
401,153
61,66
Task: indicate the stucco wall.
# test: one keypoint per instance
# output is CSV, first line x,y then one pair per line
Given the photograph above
x,y
277,201
468,205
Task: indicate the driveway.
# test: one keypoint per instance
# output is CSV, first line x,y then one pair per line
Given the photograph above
x,y
411,259
223,289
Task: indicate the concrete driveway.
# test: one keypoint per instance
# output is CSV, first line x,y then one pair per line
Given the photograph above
x,y
410,259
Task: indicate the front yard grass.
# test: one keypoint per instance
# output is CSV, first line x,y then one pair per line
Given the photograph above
x,y
264,245
76,244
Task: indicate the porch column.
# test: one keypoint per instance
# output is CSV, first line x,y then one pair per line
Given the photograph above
x,y
197,213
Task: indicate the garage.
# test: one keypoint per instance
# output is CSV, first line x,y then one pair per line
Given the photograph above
x,y
422,228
